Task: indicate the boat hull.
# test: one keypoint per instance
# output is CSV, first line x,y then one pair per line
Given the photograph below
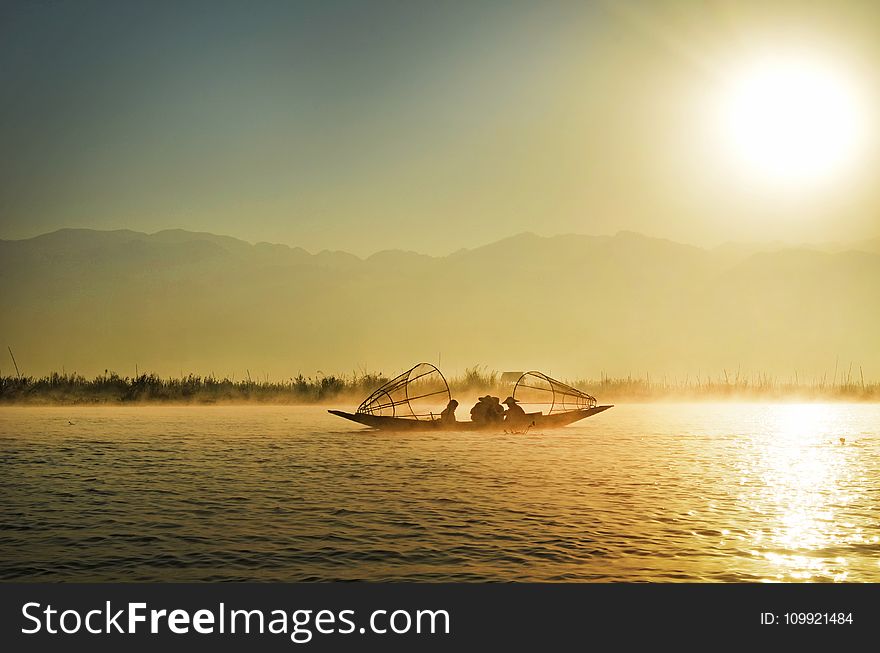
x,y
535,420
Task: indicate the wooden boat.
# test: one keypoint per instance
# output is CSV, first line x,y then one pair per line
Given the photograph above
x,y
409,401
536,420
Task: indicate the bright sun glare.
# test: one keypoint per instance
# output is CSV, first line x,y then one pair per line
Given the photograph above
x,y
791,120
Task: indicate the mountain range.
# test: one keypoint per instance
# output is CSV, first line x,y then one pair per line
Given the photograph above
x,y
576,306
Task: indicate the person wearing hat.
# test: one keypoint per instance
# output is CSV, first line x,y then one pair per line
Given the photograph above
x,y
480,411
514,414
495,414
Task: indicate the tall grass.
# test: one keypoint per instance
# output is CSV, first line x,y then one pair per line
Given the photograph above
x,y
474,378
111,388
731,386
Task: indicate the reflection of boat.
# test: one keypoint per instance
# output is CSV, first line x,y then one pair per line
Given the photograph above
x,y
409,402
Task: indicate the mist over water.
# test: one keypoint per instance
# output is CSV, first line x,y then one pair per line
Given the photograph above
x,y
657,492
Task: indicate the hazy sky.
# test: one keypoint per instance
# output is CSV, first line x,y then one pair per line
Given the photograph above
x,y
420,125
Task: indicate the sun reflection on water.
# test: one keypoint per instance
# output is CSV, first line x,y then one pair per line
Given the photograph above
x,y
804,486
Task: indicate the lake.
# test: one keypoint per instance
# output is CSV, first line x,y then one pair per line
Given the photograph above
x,y
643,492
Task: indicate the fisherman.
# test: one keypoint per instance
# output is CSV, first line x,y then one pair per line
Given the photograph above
x,y
448,414
514,415
480,411
496,410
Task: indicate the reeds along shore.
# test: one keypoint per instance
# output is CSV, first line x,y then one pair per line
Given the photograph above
x,y
112,389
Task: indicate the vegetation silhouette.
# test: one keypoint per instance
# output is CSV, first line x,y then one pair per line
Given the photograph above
x,y
112,389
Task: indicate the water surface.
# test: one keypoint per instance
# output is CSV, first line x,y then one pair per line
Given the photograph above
x,y
657,492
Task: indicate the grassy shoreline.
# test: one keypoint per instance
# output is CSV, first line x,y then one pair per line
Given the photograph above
x,y
112,389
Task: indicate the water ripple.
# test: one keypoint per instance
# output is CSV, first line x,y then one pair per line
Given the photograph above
x,y
660,493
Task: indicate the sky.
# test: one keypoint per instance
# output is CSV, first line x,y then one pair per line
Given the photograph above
x,y
428,126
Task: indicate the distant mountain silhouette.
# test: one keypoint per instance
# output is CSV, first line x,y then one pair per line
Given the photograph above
x,y
178,301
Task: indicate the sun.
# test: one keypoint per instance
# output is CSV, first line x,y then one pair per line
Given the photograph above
x,y
791,120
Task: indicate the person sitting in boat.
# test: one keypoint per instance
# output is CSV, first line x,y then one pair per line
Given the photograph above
x,y
496,410
448,414
514,415
480,411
